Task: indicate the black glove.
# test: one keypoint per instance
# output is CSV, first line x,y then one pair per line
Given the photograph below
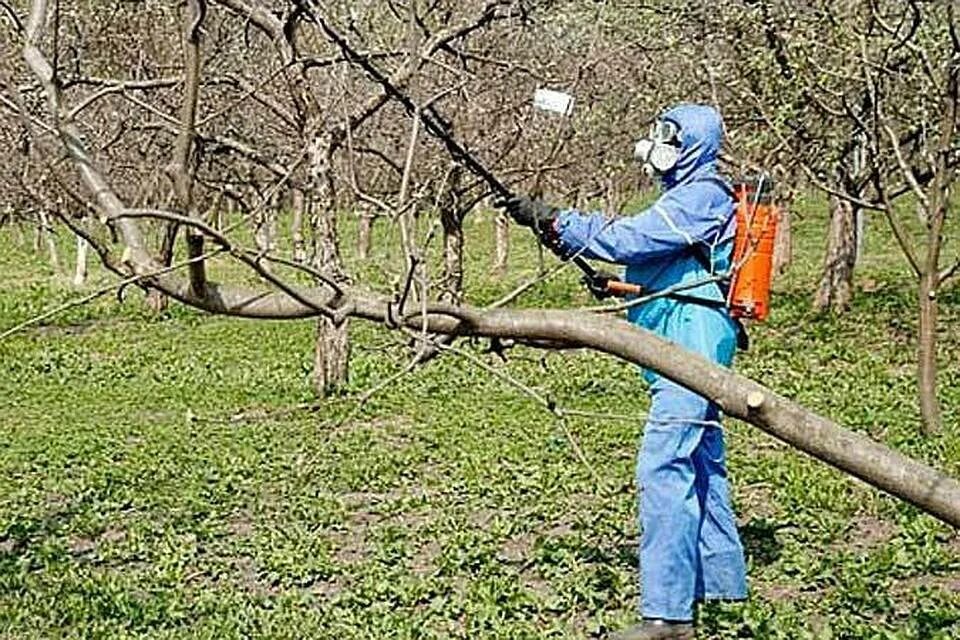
x,y
527,212
597,284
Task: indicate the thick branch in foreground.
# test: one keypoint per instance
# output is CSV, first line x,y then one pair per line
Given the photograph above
x,y
738,396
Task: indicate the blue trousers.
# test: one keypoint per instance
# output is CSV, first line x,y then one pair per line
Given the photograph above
x,y
689,546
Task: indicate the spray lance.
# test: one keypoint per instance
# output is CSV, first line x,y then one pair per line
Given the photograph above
x,y
435,125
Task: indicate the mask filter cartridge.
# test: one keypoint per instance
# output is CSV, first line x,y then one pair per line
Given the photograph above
x,y
660,151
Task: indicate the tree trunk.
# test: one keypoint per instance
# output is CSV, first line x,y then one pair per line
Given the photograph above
x,y
859,232
265,227
21,236
80,272
331,357
296,226
228,213
8,218
38,232
930,276
331,354
502,250
156,301
783,248
453,265
451,217
216,215
836,281
927,348
46,232
364,231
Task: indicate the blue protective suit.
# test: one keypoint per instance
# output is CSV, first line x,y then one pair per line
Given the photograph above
x,y
689,549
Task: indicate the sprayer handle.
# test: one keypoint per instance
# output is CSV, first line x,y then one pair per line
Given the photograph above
x,y
620,288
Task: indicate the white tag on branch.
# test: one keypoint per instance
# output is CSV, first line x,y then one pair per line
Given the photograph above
x,y
555,101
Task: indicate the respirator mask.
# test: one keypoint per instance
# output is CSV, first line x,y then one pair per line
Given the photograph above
x,y
660,150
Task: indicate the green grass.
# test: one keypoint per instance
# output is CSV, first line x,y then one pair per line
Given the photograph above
x,y
452,506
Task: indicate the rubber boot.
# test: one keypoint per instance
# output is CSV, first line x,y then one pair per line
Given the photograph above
x,y
657,630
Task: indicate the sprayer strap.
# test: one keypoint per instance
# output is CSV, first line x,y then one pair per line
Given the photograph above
x,y
743,340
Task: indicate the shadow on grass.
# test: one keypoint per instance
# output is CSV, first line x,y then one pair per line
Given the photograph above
x,y
760,543
759,538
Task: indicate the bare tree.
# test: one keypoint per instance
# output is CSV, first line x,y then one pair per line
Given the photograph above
x,y
924,41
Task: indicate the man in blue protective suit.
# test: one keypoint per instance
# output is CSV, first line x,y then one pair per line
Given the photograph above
x,y
690,550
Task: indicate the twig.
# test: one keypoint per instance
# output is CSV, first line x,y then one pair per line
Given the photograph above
x,y
949,272
369,393
547,404
354,183
77,302
578,413
253,91
898,232
16,110
549,273
811,175
12,14
295,264
119,87
248,257
905,168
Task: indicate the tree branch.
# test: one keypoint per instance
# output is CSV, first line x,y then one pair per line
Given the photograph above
x,y
949,272
181,167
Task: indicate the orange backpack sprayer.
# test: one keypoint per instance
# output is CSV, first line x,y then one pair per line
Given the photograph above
x,y
749,295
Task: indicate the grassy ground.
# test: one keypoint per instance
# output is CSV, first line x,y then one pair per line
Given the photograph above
x,y
452,506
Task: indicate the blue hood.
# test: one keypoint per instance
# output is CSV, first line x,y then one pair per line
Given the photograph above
x,y
701,132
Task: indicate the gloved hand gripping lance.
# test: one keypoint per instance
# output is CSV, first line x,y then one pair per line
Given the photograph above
x,y
541,218
435,126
